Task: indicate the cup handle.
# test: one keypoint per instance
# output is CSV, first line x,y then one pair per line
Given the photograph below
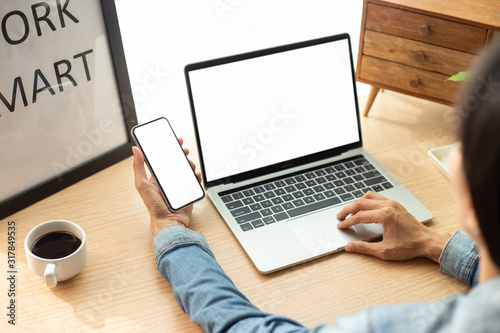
x,y
50,275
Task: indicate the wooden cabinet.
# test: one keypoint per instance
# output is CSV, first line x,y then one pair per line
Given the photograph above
x,y
413,46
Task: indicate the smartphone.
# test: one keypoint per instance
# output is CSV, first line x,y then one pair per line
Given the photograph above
x,y
167,163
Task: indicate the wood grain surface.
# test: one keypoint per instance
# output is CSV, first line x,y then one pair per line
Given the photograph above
x,y
120,290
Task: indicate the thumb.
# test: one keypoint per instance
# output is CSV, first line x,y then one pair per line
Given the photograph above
x,y
139,169
362,247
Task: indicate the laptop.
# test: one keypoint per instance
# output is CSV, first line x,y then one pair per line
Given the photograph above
x,y
279,142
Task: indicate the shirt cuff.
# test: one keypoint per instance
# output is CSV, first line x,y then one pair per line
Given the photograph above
x,y
460,258
175,236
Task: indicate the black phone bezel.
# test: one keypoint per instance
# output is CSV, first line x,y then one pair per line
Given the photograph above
x,y
153,173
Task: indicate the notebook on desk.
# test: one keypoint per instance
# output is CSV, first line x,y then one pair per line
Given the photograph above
x,y
281,153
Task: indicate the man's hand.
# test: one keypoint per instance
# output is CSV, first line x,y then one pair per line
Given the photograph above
x,y
161,215
403,237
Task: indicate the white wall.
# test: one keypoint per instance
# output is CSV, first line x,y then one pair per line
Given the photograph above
x,y
162,36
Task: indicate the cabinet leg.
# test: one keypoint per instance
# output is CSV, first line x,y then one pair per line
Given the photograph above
x,y
371,97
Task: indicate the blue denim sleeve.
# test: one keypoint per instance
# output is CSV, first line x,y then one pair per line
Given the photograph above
x,y
204,291
210,298
460,258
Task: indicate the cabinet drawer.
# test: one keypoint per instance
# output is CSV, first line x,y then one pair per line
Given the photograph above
x,y
425,28
416,54
408,79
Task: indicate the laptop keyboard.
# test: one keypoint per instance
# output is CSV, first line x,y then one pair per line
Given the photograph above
x,y
278,199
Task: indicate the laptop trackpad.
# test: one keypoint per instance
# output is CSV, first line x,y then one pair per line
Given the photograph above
x,y
319,234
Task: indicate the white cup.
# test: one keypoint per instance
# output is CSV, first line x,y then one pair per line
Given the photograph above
x,y
60,269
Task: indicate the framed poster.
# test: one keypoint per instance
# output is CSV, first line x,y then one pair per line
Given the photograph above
x,y
66,106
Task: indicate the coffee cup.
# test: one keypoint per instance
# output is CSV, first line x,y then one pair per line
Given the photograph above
x,y
56,250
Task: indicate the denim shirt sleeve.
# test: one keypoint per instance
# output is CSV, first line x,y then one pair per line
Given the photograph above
x,y
204,291
210,298
460,258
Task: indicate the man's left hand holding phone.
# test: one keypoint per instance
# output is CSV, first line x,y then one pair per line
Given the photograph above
x,y
174,185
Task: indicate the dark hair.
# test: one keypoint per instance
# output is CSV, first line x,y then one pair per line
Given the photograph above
x,y
479,132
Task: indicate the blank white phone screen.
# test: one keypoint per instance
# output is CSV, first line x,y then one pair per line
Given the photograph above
x,y
168,163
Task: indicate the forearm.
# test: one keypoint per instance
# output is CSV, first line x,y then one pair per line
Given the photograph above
x,y
203,290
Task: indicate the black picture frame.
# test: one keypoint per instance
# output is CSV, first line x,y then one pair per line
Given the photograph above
x,y
50,186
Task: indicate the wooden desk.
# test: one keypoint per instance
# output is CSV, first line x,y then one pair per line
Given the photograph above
x,y
120,289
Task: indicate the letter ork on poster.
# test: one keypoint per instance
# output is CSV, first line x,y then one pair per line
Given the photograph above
x,y
57,89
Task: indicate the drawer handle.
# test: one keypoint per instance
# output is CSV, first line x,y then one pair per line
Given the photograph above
x,y
415,82
419,56
424,30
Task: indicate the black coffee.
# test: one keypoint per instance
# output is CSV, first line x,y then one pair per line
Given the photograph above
x,y
56,245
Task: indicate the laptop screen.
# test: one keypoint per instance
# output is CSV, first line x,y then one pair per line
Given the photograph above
x,y
274,106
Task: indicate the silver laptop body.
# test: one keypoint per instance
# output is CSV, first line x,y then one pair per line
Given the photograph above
x,y
280,149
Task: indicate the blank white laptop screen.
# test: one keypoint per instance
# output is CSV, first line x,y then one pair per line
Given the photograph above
x,y
270,109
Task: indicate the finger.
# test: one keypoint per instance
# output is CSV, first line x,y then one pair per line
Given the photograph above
x,y
181,141
370,216
374,195
361,204
374,249
152,180
139,170
186,151
198,175
193,166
